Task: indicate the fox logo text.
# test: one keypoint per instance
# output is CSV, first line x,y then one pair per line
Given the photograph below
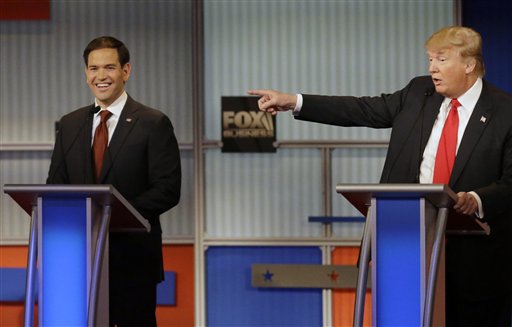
x,y
247,124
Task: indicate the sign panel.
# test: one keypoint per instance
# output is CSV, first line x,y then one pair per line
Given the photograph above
x,y
304,276
245,128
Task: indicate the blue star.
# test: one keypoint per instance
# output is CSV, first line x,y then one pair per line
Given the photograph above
x,y
268,276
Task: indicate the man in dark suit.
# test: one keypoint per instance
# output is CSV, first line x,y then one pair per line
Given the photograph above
x,y
478,268
142,162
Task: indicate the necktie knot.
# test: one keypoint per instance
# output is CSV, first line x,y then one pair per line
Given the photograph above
x,y
104,116
455,104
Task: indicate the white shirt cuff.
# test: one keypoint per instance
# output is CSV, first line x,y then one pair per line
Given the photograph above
x,y
480,213
298,105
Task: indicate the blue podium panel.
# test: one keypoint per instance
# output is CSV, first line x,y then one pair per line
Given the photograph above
x,y
232,301
397,263
63,272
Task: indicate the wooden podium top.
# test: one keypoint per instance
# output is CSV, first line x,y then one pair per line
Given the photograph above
x,y
124,217
440,195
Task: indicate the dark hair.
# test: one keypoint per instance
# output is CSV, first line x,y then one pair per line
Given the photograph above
x,y
108,42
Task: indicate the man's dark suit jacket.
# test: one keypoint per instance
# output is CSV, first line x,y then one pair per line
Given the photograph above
x,y
478,267
142,162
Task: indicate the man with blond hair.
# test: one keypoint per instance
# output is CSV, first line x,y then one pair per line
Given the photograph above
x,y
451,127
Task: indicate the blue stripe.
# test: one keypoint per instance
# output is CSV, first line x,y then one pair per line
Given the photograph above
x,y
12,286
397,263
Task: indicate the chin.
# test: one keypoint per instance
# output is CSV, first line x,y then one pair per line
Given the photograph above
x,y
441,90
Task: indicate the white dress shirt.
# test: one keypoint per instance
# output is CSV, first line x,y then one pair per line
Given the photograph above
x,y
468,102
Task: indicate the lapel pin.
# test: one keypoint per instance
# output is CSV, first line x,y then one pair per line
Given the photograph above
x,y
483,119
129,120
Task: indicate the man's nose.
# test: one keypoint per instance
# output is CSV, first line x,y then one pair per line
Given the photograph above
x,y
101,73
432,67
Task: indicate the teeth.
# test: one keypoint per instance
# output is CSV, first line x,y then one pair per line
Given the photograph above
x,y
102,85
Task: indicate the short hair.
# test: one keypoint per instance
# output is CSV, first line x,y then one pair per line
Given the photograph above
x,y
108,42
466,40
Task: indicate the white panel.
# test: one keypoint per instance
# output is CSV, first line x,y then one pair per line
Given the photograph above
x,y
32,168
328,47
19,168
263,195
352,166
313,46
340,47
42,78
42,70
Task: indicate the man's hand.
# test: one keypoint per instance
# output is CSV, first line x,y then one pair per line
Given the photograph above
x,y
466,204
274,101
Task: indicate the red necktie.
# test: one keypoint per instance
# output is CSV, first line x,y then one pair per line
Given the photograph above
x,y
447,147
100,142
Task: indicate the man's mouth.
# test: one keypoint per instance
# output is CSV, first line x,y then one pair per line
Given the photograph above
x,y
436,81
102,85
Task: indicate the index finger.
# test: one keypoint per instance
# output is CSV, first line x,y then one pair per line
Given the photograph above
x,y
258,92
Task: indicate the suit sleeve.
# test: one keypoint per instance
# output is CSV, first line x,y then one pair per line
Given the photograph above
x,y
375,112
497,197
57,173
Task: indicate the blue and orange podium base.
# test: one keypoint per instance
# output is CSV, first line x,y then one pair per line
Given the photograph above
x,y
69,247
404,240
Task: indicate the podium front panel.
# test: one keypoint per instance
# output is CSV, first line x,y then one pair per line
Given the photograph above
x,y
397,262
63,256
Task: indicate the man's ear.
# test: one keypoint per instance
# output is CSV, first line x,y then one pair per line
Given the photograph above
x,y
127,68
470,65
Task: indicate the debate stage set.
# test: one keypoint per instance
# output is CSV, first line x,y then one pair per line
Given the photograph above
x,y
280,222
404,235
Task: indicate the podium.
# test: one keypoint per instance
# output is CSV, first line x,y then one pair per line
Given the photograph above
x,y
68,249
404,235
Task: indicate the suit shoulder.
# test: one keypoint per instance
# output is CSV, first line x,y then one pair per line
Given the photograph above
x,y
421,82
497,98
76,115
148,113
498,93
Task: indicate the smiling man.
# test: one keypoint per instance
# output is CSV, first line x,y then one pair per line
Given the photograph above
x,y
122,142
106,75
451,127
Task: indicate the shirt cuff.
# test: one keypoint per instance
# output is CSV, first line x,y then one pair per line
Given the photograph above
x,y
480,213
298,105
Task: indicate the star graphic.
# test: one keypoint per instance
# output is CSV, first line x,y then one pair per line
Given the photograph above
x,y
334,276
268,276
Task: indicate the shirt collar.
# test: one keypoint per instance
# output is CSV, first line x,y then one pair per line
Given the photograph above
x,y
117,106
469,99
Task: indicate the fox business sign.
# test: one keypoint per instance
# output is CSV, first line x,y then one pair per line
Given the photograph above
x,y
245,128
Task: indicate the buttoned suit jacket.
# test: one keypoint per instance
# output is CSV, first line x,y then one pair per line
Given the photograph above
x,y
142,162
477,266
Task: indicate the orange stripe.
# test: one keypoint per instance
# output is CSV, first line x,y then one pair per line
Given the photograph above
x,y
178,258
343,300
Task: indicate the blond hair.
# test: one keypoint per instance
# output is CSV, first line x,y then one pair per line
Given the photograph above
x,y
466,40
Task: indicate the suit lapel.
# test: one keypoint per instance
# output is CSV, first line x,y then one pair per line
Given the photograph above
x,y
124,126
478,121
86,144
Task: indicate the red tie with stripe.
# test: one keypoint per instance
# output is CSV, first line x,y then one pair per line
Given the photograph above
x,y
100,142
447,147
